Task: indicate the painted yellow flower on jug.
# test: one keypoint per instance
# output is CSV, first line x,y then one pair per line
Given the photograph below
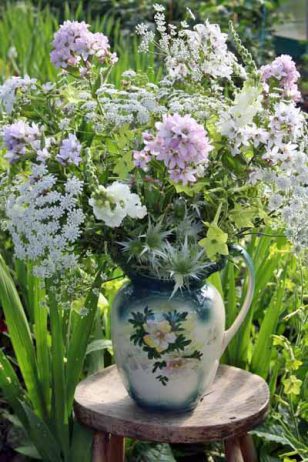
x,y
158,334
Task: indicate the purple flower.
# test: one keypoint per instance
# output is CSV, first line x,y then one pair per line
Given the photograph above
x,y
70,151
141,159
181,143
75,46
284,70
18,137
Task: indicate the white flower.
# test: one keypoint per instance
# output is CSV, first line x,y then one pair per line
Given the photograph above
x,y
247,104
9,88
275,202
114,203
239,119
44,223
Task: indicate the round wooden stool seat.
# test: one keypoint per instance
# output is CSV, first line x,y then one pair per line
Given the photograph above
x,y
236,403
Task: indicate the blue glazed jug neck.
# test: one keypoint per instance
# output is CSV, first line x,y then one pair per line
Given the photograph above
x,y
144,281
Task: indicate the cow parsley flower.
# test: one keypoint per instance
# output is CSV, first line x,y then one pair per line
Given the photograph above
x,y
75,46
135,105
181,143
114,203
19,137
70,151
44,223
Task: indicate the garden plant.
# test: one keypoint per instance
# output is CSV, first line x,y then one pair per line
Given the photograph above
x,y
107,175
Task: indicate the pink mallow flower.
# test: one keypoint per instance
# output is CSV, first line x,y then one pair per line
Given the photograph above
x,y
283,70
181,143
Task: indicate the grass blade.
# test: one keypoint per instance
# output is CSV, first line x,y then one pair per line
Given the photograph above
x,y
59,408
42,437
79,340
81,444
20,336
11,387
263,349
36,295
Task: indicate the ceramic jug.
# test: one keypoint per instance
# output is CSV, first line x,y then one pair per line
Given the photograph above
x,y
167,348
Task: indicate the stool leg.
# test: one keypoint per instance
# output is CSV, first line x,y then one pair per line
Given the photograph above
x,y
233,451
248,449
116,448
100,447
108,448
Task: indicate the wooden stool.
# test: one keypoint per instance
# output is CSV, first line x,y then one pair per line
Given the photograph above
x,y
234,405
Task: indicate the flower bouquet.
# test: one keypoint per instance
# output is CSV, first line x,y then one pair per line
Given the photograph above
x,y
161,177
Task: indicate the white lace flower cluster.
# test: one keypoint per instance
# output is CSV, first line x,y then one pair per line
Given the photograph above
x,y
135,105
194,54
182,102
44,223
115,202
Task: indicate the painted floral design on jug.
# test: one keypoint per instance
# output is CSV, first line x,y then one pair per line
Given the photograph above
x,y
164,339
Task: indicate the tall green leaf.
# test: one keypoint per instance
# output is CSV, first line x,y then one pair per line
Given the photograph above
x,y
36,297
81,445
79,340
42,437
20,336
11,388
263,349
59,403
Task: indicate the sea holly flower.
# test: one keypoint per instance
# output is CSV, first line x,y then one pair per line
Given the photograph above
x,y
158,334
115,202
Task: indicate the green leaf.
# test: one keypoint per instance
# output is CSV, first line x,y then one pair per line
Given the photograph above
x,y
42,437
59,403
189,189
20,336
98,345
111,146
273,434
81,445
29,451
263,349
215,241
36,296
149,452
79,339
242,216
11,387
124,164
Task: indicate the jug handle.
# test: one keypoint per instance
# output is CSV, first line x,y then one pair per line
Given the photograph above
x,y
229,333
